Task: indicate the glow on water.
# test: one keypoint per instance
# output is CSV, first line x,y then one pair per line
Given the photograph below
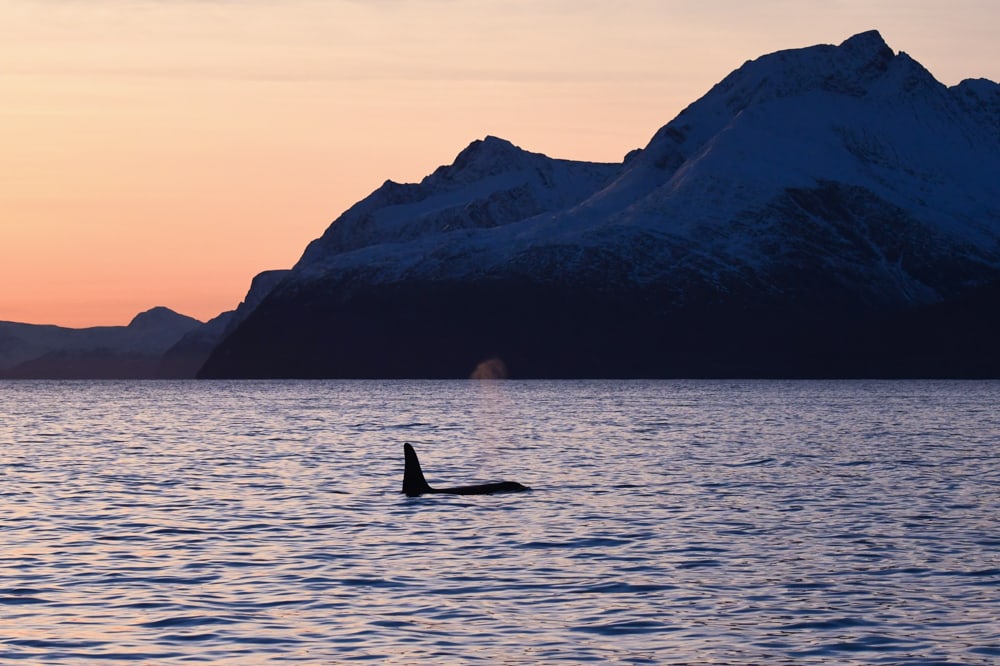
x,y
669,522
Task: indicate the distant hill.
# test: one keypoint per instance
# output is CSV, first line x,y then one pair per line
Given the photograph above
x,y
157,344
826,211
54,352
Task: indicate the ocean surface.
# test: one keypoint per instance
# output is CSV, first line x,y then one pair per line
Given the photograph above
x,y
670,522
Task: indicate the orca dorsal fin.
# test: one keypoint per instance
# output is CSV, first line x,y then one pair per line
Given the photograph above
x,y
414,483
413,477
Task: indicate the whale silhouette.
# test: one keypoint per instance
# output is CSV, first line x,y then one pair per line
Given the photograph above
x,y
415,485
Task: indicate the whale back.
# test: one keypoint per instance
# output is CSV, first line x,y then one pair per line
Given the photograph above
x,y
484,488
414,483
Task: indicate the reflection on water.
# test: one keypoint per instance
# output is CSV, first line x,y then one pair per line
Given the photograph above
x,y
725,522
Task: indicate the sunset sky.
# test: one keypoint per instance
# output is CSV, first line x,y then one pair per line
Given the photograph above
x,y
162,152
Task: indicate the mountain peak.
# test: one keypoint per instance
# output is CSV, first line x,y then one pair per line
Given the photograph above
x,y
861,66
489,149
485,157
159,317
868,45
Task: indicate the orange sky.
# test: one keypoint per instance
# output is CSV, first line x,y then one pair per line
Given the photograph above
x,y
162,152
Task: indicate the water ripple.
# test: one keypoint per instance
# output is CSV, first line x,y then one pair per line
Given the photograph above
x,y
670,522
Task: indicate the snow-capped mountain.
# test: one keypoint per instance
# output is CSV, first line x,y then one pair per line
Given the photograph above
x,y
39,351
783,224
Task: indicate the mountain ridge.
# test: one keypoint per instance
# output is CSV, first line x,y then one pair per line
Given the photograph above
x,y
37,351
811,191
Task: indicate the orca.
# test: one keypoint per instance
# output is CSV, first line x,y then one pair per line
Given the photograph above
x,y
415,485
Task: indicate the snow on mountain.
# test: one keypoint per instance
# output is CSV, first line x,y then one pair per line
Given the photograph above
x,y
816,183
854,114
492,183
712,191
850,156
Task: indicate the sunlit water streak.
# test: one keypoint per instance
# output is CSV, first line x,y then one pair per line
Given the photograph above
x,y
670,522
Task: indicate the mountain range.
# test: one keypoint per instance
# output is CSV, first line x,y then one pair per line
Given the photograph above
x,y
156,344
830,211
30,351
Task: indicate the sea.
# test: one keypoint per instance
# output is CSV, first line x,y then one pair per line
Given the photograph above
x,y
668,522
